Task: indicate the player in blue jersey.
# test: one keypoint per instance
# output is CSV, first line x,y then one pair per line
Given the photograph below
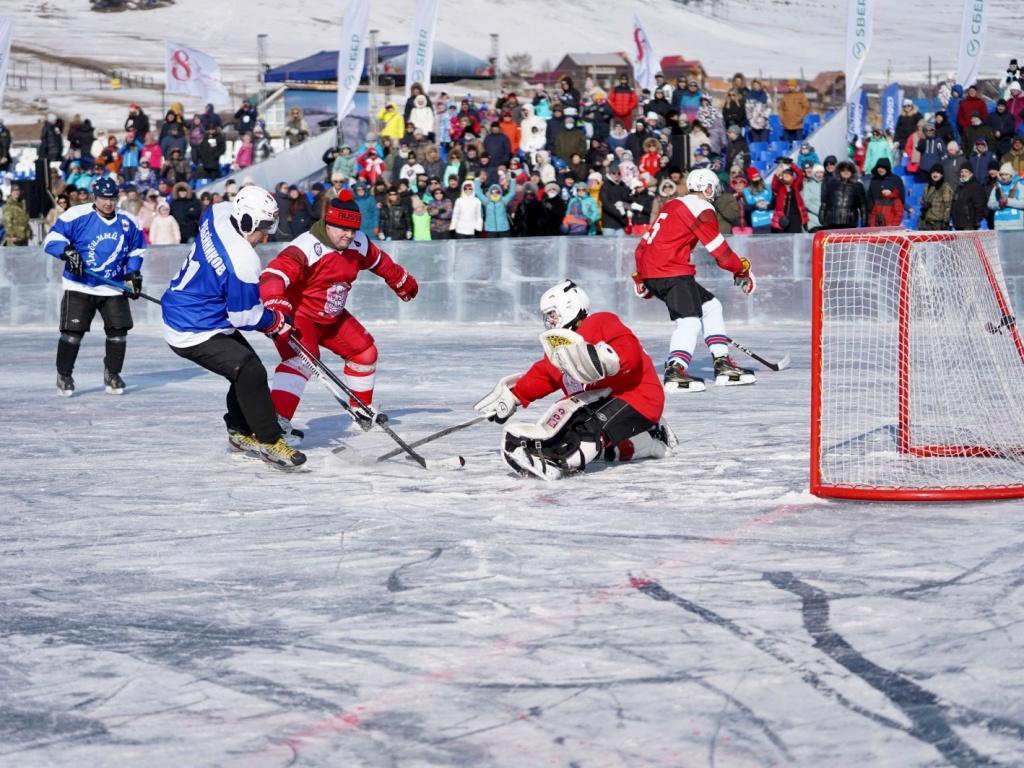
x,y
215,295
98,238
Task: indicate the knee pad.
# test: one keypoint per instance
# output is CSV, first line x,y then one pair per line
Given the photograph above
x,y
363,362
71,337
117,336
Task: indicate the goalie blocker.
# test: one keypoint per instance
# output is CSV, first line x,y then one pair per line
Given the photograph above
x,y
614,398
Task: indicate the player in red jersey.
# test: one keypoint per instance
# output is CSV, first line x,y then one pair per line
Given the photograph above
x,y
664,270
310,279
614,399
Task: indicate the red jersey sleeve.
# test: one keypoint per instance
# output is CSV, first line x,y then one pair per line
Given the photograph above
x,y
611,330
540,381
285,269
707,231
377,261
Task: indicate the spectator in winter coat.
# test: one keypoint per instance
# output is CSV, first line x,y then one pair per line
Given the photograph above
x,y
734,110
51,143
887,210
422,115
1015,103
969,202
175,138
623,102
953,110
981,158
1001,122
151,152
16,220
129,151
793,108
806,155
440,210
615,200
1015,157
80,140
943,128
952,163
737,150
757,199
570,140
932,150
728,209
296,130
936,202
659,105
367,208
345,163
395,217
137,121
686,100
789,213
528,218
811,192
877,148
494,208
757,115
1007,200
712,122
906,123
211,119
186,210
163,230
497,146
844,204
467,213
972,104
568,96
244,153
209,154
245,118
883,178
977,130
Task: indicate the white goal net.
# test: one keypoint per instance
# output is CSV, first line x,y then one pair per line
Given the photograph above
x,y
917,368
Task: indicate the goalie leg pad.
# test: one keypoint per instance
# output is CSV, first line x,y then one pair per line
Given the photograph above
x,y
562,443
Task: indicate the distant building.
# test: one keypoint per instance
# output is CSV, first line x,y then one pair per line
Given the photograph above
x,y
674,67
603,68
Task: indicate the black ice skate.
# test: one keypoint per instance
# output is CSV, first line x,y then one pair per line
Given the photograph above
x,y
282,455
65,386
728,374
113,383
678,380
366,421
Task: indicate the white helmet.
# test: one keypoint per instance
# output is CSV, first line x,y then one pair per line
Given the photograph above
x,y
254,209
564,305
699,180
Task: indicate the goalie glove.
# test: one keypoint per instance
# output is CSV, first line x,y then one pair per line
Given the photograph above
x,y
639,289
744,279
576,358
500,404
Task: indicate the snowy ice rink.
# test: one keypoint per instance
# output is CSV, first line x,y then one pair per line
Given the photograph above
x,y
163,603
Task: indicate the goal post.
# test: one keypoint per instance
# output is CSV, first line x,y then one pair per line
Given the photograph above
x,y
917,368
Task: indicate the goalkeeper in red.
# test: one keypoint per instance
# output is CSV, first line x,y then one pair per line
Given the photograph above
x,y
664,270
310,281
613,400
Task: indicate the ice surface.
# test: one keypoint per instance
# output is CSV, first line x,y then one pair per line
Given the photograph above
x,y
163,603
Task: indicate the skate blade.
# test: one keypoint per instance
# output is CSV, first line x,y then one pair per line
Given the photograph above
x,y
65,392
672,386
725,381
115,390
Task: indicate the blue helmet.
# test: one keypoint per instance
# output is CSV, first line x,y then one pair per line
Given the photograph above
x,y
105,188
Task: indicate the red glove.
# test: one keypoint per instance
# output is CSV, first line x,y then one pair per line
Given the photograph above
x,y
281,326
639,288
405,287
279,304
744,279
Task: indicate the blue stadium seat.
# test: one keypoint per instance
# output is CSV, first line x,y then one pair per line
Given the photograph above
x,y
811,124
758,146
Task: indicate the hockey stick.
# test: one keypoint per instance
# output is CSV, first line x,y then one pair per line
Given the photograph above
x,y
1007,321
119,286
433,436
783,363
334,385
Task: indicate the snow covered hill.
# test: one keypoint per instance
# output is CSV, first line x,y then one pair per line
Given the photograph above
x,y
755,36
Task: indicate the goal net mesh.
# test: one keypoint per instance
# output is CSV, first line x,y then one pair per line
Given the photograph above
x,y
921,374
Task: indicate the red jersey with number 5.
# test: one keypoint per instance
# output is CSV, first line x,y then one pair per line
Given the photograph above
x,y
683,223
636,382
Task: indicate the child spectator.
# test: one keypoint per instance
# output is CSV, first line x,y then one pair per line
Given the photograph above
x,y
1007,200
758,198
164,229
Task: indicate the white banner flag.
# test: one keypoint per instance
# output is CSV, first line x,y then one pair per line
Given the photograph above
x,y
421,45
860,19
972,41
644,66
352,54
6,35
187,70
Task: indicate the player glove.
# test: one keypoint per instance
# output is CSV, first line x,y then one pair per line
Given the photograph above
x,y
500,404
281,326
133,285
74,259
639,288
744,279
280,304
405,287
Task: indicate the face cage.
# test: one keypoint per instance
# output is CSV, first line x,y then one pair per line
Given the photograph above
x,y
551,319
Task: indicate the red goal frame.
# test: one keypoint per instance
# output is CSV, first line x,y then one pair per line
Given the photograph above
x,y
904,437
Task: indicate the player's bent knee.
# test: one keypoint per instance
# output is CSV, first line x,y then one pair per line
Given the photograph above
x,y
117,335
250,371
71,337
367,356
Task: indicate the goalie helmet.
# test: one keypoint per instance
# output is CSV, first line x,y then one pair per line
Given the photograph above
x,y
254,209
699,180
564,305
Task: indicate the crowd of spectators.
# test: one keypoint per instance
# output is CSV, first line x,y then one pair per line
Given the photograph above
x,y
574,160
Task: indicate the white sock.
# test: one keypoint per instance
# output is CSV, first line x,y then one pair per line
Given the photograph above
x,y
684,339
714,328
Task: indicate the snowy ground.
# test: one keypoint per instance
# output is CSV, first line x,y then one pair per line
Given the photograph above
x,y
164,603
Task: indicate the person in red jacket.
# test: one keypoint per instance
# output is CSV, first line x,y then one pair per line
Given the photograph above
x,y
664,270
623,101
310,281
613,398
790,212
971,104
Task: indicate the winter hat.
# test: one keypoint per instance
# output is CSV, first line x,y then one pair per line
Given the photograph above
x,y
1007,168
908,103
343,212
494,189
1015,86
733,129
753,174
818,167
